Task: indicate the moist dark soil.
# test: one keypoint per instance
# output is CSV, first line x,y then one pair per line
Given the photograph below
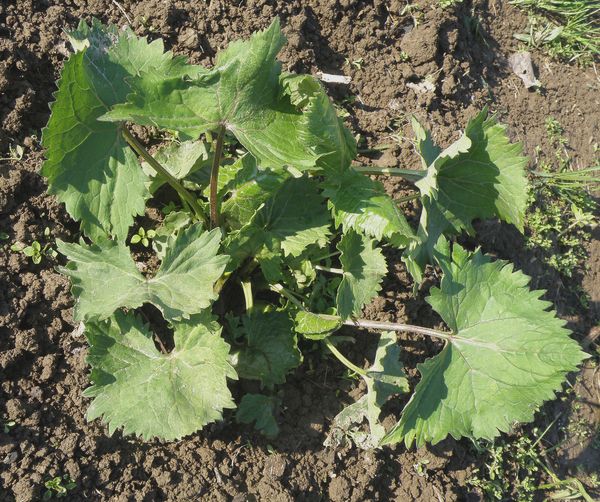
x,y
384,47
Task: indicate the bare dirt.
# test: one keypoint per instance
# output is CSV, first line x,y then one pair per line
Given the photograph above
x,y
42,354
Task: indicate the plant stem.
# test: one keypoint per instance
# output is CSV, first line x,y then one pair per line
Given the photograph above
x,y
247,289
409,174
350,365
330,270
214,179
171,180
365,323
407,198
278,288
404,328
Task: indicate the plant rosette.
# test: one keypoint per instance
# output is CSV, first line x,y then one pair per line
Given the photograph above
x,y
264,196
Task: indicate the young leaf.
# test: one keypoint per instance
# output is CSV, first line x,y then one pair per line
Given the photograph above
x,y
272,348
150,394
110,190
361,204
248,192
293,218
506,355
364,267
179,159
260,409
481,175
384,379
105,277
316,326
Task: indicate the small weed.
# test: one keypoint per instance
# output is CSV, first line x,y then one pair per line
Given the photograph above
x,y
58,487
7,425
449,3
555,130
14,153
356,63
35,251
143,236
569,29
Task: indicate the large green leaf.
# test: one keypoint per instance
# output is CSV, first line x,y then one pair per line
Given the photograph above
x,y
506,355
105,277
89,166
364,267
271,349
481,175
360,203
384,379
149,393
281,120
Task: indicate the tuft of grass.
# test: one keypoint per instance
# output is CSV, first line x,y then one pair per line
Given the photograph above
x,y
569,29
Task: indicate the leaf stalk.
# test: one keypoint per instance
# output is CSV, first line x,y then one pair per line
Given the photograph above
x,y
350,365
214,179
411,175
171,180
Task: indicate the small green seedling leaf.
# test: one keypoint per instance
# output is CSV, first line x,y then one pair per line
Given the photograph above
x,y
259,409
105,277
150,394
364,268
507,354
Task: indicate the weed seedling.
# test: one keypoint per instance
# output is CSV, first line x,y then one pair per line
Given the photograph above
x,y
143,236
58,487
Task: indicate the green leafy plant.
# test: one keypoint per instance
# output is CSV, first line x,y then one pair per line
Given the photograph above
x,y
143,236
273,236
58,487
569,29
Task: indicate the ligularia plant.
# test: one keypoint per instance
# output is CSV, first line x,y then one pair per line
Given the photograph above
x,y
272,236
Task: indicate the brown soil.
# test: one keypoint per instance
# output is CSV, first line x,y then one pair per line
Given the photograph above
x,y
42,354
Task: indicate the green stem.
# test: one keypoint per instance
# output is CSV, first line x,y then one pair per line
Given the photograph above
x,y
393,326
330,270
330,255
407,198
366,323
247,289
350,365
409,174
171,180
214,179
278,288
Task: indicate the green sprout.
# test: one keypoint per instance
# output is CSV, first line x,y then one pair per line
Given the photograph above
x,y
14,153
35,250
143,236
55,487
